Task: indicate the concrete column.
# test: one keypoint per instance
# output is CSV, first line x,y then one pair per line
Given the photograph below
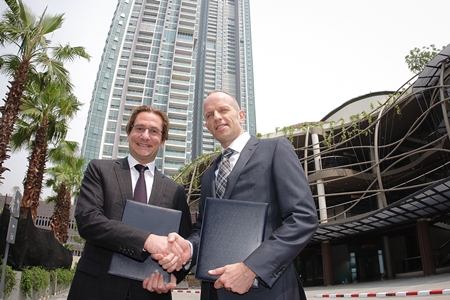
x,y
387,255
426,251
323,215
327,263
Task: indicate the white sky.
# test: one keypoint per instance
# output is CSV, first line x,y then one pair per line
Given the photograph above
x,y
309,56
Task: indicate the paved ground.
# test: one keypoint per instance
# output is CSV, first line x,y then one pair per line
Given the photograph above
x,y
436,287
431,286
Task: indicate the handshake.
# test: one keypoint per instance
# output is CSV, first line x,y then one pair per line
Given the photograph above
x,y
172,252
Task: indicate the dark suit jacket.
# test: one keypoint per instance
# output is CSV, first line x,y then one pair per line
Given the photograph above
x,y
268,171
105,188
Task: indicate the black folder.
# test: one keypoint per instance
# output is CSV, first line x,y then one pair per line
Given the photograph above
x,y
156,219
231,231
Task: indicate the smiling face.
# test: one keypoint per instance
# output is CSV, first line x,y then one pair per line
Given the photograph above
x,y
223,118
144,146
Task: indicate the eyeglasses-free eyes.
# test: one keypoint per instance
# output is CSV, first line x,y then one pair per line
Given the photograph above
x,y
151,131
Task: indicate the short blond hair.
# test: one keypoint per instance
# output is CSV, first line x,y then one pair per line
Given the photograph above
x,y
226,93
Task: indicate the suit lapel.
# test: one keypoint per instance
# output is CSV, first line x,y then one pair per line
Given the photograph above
x,y
245,155
211,177
156,196
122,170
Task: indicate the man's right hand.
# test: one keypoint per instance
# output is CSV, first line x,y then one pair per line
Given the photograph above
x,y
158,244
179,256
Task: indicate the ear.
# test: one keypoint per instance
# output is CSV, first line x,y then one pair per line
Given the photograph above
x,y
241,117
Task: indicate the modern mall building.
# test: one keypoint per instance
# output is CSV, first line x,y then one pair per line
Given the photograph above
x,y
379,170
170,54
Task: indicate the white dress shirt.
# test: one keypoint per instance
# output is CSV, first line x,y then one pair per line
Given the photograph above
x,y
149,174
237,145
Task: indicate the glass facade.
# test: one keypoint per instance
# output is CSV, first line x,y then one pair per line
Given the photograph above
x,y
169,54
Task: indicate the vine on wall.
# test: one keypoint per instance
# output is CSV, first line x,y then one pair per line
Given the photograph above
x,y
346,131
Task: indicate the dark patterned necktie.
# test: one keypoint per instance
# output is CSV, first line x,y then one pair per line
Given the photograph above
x,y
140,190
224,171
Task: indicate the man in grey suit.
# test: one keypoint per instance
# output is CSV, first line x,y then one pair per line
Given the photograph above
x,y
266,171
106,186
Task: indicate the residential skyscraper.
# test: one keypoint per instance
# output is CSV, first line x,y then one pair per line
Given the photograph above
x,y
170,54
224,62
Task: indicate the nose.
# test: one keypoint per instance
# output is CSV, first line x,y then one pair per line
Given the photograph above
x,y
217,115
146,132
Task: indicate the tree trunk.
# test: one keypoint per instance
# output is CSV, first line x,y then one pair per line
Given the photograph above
x,y
36,168
65,219
61,214
10,112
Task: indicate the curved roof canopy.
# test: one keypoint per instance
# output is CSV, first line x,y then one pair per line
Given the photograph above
x,y
428,202
430,75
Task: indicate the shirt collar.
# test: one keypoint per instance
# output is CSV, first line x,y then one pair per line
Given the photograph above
x,y
239,143
132,162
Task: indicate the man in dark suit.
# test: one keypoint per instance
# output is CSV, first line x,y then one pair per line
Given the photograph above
x,y
266,171
106,186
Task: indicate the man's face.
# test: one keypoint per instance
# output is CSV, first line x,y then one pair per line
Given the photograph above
x,y
223,118
145,137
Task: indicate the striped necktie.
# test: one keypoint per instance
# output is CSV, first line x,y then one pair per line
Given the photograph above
x,y
224,171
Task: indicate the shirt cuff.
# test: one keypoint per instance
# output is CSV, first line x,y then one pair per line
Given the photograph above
x,y
187,265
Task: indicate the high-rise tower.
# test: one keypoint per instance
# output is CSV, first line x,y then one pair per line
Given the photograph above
x,y
170,54
224,62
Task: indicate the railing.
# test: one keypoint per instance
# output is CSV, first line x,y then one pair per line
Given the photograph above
x,y
413,264
407,265
443,258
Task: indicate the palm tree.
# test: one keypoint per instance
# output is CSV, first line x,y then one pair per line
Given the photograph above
x,y
65,179
20,27
45,111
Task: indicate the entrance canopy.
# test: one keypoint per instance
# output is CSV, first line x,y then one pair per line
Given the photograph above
x,y
429,202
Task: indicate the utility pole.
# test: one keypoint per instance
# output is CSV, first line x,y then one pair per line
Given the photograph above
x,y
14,211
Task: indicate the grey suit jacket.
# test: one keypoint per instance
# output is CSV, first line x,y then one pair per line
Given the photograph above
x,y
105,188
268,171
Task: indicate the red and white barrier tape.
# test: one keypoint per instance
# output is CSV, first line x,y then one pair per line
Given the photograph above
x,y
186,291
386,294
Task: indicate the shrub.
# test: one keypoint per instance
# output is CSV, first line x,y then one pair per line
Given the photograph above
x,y
63,276
34,279
10,280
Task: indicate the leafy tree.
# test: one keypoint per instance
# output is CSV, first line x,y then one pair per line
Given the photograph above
x,y
45,111
417,59
21,28
65,179
15,189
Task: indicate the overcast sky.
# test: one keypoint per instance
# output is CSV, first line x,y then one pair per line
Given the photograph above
x,y
309,56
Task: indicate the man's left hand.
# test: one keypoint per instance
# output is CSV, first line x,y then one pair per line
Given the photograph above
x,y
237,278
155,283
